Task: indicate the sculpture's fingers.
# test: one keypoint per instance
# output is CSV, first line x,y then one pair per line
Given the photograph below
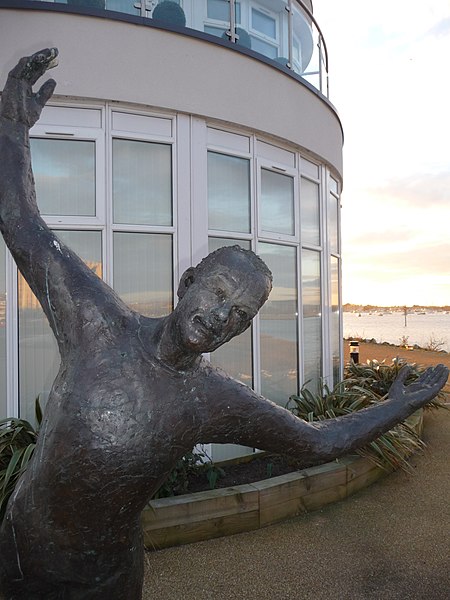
x,y
45,92
32,67
439,376
434,378
40,62
402,376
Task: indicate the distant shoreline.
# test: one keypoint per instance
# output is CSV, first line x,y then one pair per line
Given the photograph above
x,y
398,346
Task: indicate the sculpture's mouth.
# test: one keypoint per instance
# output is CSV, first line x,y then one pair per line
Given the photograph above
x,y
203,324
208,327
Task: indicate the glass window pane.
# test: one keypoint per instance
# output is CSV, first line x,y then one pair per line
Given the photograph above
x,y
220,10
214,31
264,24
2,331
312,319
234,357
264,48
278,325
333,223
64,172
228,193
277,202
333,185
124,6
38,352
142,182
143,272
303,33
310,212
335,319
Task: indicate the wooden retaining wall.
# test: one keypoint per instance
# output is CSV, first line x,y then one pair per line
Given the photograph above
x,y
215,513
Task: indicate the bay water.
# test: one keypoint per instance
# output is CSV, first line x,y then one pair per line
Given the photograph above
x,y
422,329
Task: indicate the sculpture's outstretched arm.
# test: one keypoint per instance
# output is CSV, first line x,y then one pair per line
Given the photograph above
x,y
238,415
59,279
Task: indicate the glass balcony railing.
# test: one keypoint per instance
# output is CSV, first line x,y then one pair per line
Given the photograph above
x,y
283,31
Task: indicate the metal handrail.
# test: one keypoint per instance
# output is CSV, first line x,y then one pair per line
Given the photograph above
x,y
143,9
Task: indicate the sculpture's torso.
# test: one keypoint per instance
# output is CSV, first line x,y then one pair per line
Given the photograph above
x,y
116,421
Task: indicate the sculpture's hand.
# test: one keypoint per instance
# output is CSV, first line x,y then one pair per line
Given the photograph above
x,y
19,104
423,390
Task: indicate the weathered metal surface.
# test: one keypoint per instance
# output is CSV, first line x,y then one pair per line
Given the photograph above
x,y
133,394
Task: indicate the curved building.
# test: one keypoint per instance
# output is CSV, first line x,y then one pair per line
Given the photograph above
x,y
177,128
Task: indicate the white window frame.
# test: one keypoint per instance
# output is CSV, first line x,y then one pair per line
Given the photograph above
x,y
280,169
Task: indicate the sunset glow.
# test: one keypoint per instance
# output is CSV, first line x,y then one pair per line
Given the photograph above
x,y
389,87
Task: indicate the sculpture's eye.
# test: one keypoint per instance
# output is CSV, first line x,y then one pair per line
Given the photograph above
x,y
241,313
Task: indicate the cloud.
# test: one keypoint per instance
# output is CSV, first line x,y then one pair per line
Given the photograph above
x,y
441,29
416,190
429,259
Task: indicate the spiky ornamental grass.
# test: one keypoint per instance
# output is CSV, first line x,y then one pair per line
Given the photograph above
x,y
363,386
17,443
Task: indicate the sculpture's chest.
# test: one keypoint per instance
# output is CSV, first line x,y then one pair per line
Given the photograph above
x,y
129,404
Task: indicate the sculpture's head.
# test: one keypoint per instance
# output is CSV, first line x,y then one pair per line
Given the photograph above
x,y
219,298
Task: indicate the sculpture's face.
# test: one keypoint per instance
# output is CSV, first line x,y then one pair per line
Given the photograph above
x,y
219,305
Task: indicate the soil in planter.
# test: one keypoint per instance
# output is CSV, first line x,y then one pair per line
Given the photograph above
x,y
256,469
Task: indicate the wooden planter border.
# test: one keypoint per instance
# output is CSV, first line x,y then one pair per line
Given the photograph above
x,y
215,513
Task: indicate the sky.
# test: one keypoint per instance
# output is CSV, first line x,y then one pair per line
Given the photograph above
x,y
390,82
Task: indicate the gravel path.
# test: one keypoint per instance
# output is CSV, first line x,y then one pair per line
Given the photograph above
x,y
388,542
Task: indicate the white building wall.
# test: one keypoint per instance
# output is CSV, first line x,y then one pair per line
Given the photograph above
x,y
114,60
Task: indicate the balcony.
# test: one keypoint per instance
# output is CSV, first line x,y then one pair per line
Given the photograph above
x,y
282,33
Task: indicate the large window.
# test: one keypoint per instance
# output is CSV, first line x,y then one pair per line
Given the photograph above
x,y
312,318
335,284
143,271
38,352
228,193
278,318
64,172
277,203
131,227
142,182
139,204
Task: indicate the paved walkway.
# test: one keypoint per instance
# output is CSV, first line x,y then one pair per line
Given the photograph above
x,y
388,542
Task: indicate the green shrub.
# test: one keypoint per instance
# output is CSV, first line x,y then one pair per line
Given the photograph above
x,y
191,464
378,377
170,12
17,442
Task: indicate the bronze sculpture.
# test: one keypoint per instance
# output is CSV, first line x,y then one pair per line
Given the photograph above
x,y
133,394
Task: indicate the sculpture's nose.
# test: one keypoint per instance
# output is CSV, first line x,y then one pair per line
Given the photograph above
x,y
222,313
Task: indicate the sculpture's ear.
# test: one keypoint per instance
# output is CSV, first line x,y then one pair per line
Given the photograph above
x,y
186,280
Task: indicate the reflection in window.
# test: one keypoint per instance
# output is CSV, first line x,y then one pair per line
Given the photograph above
x,y
335,319
278,325
264,24
310,215
234,357
142,182
124,6
228,193
303,43
143,275
277,202
312,319
333,223
64,172
220,10
263,47
38,352
2,331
